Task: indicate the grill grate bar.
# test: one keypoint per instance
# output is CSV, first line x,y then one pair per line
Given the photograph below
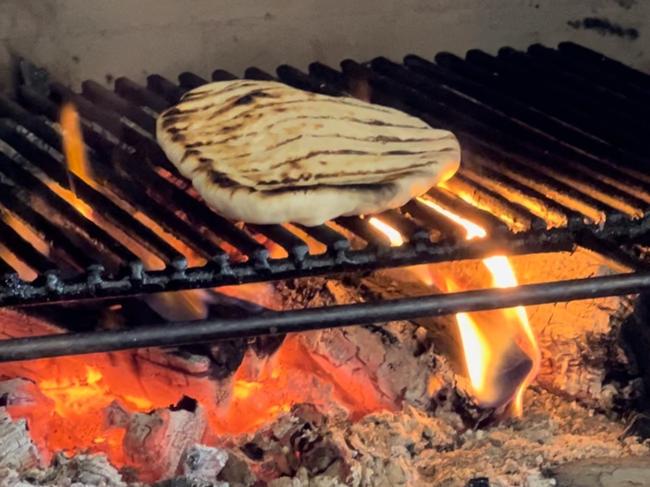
x,y
275,322
539,152
239,273
518,214
332,239
222,75
295,247
414,231
24,250
605,65
130,90
553,101
164,88
561,137
189,81
130,191
370,234
258,74
523,162
59,241
101,96
589,72
98,201
483,173
14,169
7,273
610,103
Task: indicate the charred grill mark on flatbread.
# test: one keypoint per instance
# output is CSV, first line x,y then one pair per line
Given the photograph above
x,y
181,113
225,182
360,152
382,139
202,93
172,117
344,152
204,132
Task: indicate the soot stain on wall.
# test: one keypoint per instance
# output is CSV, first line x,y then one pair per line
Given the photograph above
x,y
605,27
626,4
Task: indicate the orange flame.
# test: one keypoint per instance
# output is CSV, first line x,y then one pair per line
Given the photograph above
x,y
484,350
73,144
478,356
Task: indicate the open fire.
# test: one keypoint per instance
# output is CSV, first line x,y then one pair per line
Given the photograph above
x,y
409,403
498,373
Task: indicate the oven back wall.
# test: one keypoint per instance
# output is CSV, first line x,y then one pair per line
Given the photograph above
x,y
101,39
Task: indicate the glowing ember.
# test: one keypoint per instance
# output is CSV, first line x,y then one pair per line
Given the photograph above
x,y
68,396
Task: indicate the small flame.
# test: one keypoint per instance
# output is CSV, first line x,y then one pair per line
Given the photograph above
x,y
73,143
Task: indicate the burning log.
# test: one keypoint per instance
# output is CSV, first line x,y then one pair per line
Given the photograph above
x,y
156,442
395,358
580,341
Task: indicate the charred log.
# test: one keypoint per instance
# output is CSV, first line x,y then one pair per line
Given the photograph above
x,y
156,442
584,354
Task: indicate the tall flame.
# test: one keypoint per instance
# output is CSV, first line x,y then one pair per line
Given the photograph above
x,y
487,344
478,354
73,143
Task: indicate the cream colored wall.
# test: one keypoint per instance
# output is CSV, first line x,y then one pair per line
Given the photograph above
x,y
100,39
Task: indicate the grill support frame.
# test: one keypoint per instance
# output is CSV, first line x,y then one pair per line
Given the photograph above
x,y
279,322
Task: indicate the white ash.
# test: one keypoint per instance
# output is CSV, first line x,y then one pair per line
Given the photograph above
x,y
413,448
17,451
202,464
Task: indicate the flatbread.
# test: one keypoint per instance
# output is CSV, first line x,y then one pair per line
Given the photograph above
x,y
263,152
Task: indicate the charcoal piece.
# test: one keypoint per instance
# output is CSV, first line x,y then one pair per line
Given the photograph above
x,y
639,426
227,356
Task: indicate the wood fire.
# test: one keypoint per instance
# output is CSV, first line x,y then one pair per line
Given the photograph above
x,y
487,345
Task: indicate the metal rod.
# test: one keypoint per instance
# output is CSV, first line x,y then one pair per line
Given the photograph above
x,y
185,333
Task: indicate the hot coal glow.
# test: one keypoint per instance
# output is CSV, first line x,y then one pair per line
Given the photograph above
x,y
66,400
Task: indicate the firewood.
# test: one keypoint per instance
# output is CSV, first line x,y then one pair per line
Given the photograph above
x,y
395,358
16,448
580,341
155,442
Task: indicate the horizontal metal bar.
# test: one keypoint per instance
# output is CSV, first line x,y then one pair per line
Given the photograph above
x,y
273,323
220,274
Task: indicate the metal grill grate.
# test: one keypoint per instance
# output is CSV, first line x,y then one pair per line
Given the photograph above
x,y
553,156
